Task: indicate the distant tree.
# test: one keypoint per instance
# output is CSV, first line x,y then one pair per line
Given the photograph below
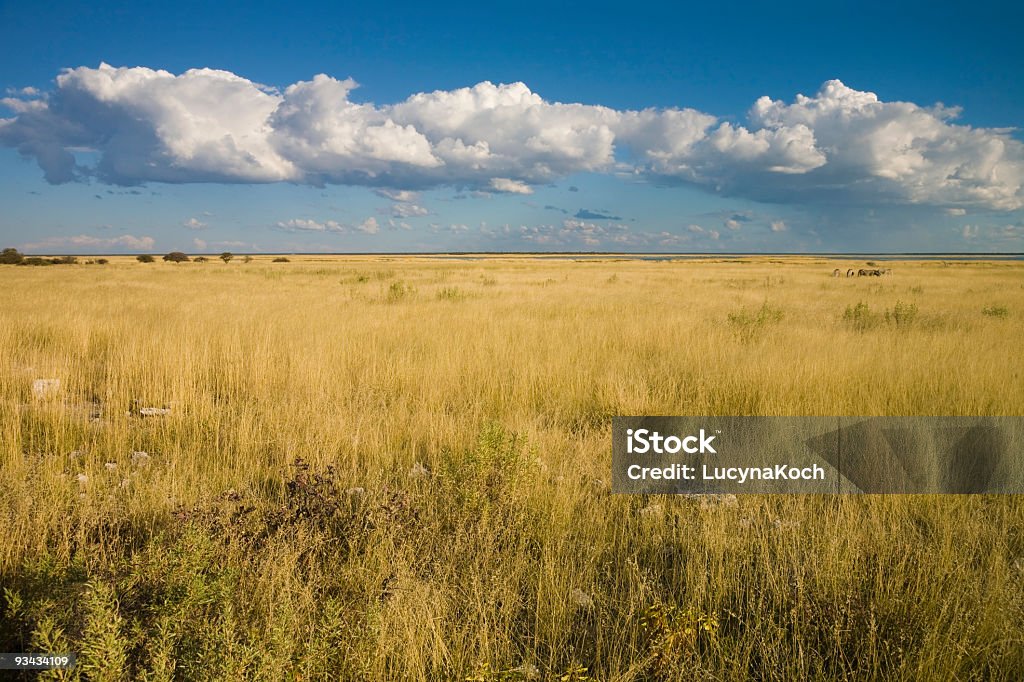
x,y
64,260
35,260
176,257
280,259
145,258
247,259
200,259
227,256
11,257
102,261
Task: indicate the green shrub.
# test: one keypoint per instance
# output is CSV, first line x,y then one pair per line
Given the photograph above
x,y
749,325
145,258
995,311
397,292
11,257
176,257
279,259
860,317
450,294
902,314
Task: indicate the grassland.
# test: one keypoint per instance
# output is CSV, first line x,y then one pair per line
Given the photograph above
x,y
397,468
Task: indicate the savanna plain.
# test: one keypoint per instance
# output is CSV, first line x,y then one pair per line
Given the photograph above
x,y
397,468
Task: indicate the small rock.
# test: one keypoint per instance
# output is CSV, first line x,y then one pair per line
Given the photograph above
x,y
581,598
653,509
45,388
140,458
419,470
82,480
110,466
355,492
717,500
528,671
154,411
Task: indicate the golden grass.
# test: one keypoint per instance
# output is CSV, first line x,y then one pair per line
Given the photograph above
x,y
397,468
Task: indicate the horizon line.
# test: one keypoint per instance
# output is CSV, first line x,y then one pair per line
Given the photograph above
x,y
543,253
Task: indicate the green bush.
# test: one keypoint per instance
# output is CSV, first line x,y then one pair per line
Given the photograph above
x,y
11,257
450,294
280,259
397,292
145,258
860,317
749,325
176,257
902,314
995,311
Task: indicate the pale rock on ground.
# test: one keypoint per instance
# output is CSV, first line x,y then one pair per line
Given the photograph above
x,y
45,388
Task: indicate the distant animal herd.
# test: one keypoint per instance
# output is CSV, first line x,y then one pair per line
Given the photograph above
x,y
863,272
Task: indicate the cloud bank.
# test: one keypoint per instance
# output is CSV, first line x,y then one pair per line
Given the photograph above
x,y
368,226
128,126
84,241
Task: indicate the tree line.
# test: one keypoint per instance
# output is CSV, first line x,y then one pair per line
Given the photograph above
x,y
11,256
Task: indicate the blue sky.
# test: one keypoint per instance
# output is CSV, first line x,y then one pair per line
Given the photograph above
x,y
158,126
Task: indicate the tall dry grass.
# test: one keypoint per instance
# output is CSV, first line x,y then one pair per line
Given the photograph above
x,y
397,468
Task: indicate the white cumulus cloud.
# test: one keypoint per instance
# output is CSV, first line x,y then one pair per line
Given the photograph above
x,y
124,242
205,125
368,226
510,186
403,210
